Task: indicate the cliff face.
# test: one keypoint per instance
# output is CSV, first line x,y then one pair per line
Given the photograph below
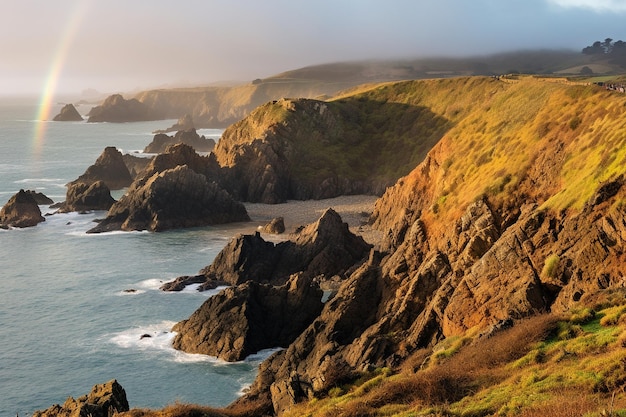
x,y
519,209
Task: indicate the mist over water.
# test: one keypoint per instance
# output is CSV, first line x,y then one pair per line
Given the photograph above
x,y
67,319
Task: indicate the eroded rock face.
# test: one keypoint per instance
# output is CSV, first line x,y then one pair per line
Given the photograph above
x,y
103,401
174,198
68,114
247,318
109,168
190,137
83,197
487,268
20,211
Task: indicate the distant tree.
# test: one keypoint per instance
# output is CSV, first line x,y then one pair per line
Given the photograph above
x,y
257,81
607,45
586,71
595,49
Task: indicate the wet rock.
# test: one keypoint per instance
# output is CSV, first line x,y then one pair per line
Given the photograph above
x,y
22,210
68,114
109,168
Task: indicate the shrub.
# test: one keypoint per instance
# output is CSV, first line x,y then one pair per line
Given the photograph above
x,y
550,266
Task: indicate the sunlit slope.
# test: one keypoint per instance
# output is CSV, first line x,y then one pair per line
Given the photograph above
x,y
526,140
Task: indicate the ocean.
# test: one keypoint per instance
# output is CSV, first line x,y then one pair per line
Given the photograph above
x,y
67,319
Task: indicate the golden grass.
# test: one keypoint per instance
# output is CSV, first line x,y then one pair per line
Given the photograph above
x,y
536,368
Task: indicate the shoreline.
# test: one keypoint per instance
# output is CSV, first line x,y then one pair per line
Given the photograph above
x,y
354,210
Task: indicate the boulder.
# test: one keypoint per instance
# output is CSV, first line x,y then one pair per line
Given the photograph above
x,y
68,114
109,168
174,198
104,400
81,197
22,210
116,109
247,318
275,227
190,137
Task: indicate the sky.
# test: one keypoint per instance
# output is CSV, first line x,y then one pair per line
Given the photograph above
x,y
68,46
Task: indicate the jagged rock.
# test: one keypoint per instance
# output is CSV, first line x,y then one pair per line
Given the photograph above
x,y
104,400
250,317
184,123
118,110
109,168
182,154
21,210
82,197
275,227
190,137
68,114
40,198
135,164
173,198
323,249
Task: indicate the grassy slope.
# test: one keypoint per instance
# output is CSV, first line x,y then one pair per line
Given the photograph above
x,y
556,366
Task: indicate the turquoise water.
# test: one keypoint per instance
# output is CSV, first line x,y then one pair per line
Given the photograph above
x,y
67,321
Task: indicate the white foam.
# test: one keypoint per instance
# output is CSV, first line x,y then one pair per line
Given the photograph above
x,y
261,355
27,180
158,338
151,284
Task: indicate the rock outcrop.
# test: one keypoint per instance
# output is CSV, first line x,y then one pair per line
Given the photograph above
x,y
190,137
247,318
22,210
68,114
173,198
83,197
104,400
116,109
275,227
321,250
109,168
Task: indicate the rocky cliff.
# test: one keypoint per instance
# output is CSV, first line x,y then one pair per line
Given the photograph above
x,y
308,149
517,210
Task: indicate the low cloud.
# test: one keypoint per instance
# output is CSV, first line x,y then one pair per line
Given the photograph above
x,y
602,6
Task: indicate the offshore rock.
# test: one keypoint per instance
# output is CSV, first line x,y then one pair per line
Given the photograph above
x,y
104,400
135,164
190,137
68,114
116,109
173,198
109,168
250,317
20,211
81,197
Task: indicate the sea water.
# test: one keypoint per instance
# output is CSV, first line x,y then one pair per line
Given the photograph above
x,y
78,309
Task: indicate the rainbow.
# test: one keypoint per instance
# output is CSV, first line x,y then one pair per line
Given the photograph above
x,y
52,79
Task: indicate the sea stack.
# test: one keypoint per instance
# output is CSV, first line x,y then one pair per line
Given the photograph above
x,y
68,114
